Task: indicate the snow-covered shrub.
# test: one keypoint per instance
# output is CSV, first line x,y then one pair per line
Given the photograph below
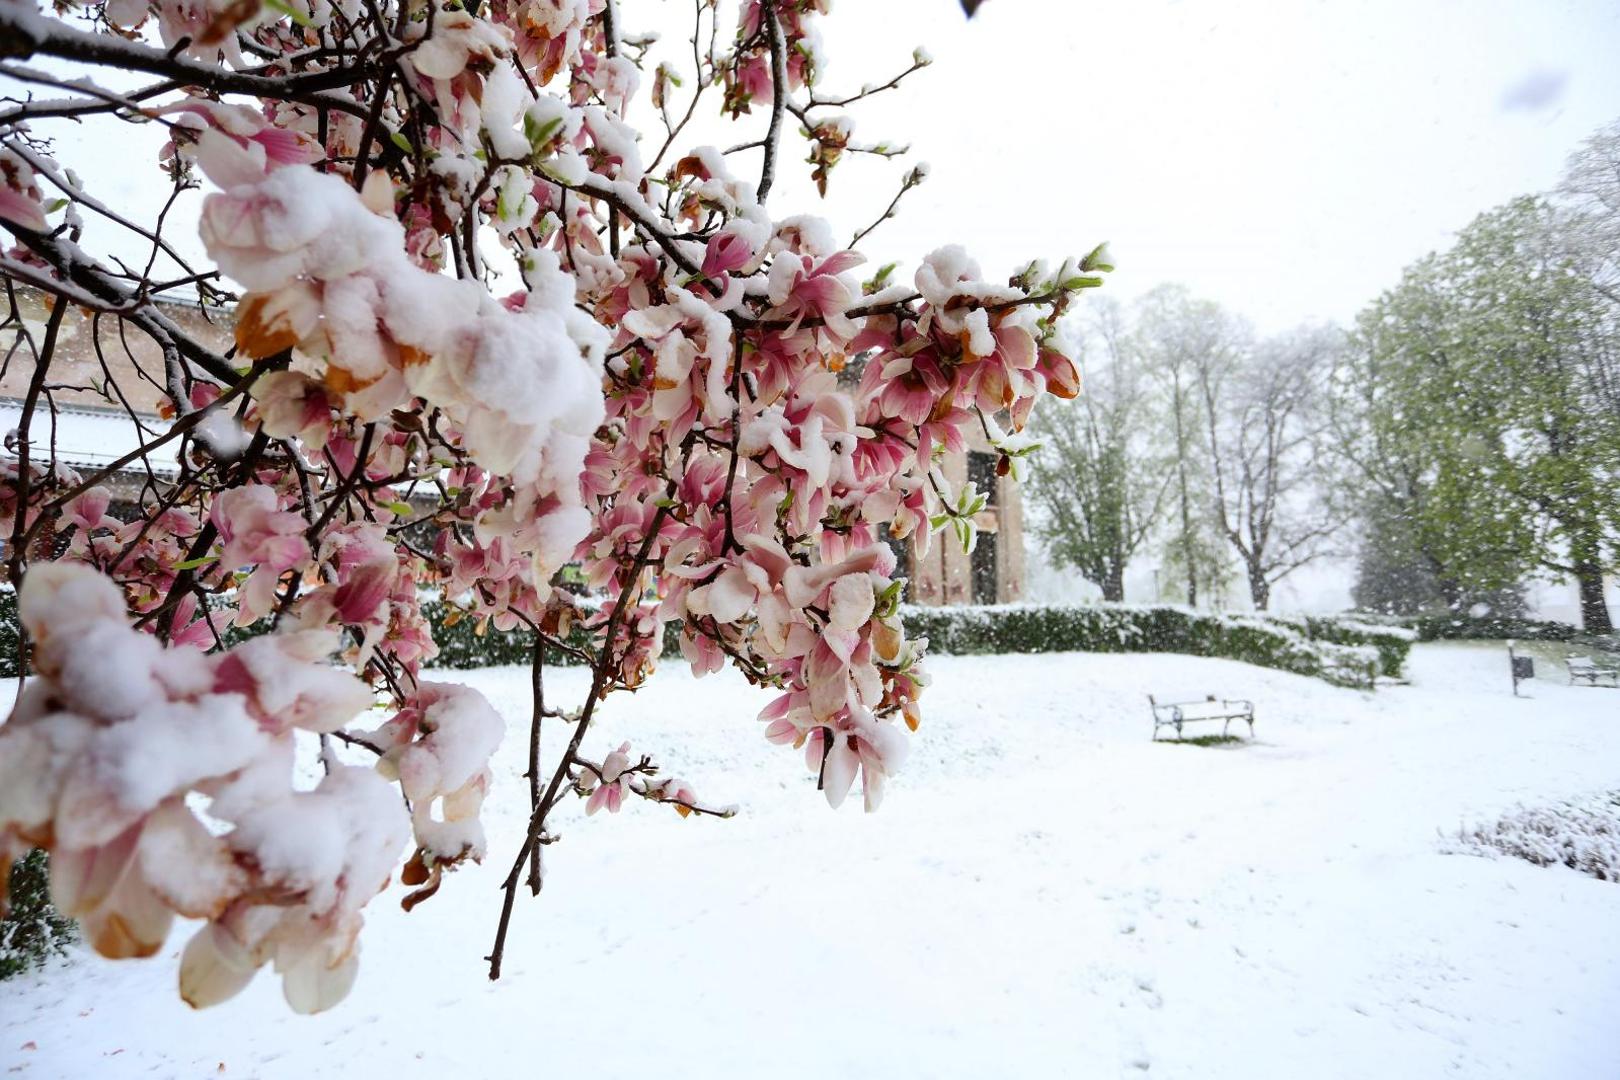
x,y
1393,643
31,931
470,642
10,634
1462,627
1582,834
1034,628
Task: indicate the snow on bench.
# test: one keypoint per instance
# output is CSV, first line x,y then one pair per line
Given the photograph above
x,y
1583,670
1176,713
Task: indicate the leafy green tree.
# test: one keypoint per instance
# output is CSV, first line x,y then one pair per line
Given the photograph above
x,y
1394,576
1540,330
1471,405
1412,448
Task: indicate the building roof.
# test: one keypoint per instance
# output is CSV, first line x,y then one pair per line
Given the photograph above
x,y
88,439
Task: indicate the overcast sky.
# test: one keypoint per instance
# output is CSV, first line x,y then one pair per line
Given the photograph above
x,y
1286,158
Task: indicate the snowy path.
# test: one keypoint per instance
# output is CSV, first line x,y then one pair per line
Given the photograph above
x,y
1045,892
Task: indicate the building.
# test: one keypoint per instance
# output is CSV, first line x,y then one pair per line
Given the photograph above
x,y
75,419
993,573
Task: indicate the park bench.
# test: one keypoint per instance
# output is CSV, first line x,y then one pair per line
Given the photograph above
x,y
1583,670
1176,713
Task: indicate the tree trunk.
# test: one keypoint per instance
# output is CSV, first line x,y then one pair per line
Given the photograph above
x,y
1259,588
1186,499
1113,585
1187,544
1594,608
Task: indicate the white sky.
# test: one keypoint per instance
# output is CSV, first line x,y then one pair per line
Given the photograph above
x,y
1286,158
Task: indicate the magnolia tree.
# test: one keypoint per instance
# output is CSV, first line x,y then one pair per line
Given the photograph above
x,y
693,399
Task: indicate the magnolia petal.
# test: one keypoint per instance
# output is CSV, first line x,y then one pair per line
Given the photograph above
x,y
872,782
838,774
852,601
730,596
310,986
132,923
214,968
83,878
598,797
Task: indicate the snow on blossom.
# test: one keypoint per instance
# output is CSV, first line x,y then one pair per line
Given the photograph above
x,y
439,747
116,731
523,388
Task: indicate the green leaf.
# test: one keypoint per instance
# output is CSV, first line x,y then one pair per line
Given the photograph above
x,y
540,134
1099,259
192,564
399,140
291,12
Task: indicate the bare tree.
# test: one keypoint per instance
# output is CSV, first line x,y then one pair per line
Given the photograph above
x,y
1176,334
1272,500
1096,482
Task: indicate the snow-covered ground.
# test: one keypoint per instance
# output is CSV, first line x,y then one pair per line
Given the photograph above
x,y
1044,893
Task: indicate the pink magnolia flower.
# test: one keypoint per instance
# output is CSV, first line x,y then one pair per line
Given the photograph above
x,y
256,532
864,746
270,145
86,513
609,792
20,200
801,288
729,250
294,406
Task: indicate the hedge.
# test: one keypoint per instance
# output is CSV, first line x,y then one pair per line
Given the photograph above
x,y
462,646
1352,660
1469,628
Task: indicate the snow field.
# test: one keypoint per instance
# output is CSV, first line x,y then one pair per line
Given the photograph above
x,y
1044,891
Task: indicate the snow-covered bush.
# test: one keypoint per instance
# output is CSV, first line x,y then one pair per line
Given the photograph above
x,y
1463,627
1393,643
1261,640
650,389
10,634
31,930
1582,834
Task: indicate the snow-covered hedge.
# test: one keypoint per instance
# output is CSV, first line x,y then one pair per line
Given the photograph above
x,y
1467,627
1457,627
1582,834
1316,647
1392,642
462,645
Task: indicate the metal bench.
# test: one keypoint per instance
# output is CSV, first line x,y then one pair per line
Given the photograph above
x,y
1582,670
1176,713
